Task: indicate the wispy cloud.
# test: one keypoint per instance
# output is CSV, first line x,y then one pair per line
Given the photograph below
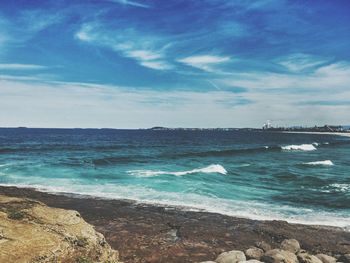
x,y
131,3
21,67
204,62
148,51
300,62
332,77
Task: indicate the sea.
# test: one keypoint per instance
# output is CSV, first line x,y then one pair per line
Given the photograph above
x,y
300,178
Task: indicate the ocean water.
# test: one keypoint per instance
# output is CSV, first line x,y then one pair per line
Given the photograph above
x,y
300,178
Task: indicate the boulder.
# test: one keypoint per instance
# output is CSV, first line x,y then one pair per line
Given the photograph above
x,y
33,232
263,245
254,253
279,256
305,257
344,258
291,245
326,259
233,256
250,261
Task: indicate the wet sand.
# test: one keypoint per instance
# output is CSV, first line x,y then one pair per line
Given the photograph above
x,y
146,233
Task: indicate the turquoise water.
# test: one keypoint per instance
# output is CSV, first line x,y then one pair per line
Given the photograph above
x,y
295,177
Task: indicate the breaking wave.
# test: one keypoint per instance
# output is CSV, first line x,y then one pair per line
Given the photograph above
x,y
301,147
213,168
324,163
342,188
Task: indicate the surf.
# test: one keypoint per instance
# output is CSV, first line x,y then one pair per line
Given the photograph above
x,y
301,147
320,163
213,168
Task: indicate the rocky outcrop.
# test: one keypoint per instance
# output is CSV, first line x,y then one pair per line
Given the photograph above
x,y
33,232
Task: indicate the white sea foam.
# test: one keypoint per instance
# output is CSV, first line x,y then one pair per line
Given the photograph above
x,y
344,188
324,163
213,168
194,202
301,147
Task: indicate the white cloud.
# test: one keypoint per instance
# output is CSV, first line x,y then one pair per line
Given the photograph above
x,y
148,51
160,65
21,67
131,3
300,62
327,78
60,104
204,62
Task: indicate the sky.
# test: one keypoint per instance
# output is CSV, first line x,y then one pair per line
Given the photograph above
x,y
174,63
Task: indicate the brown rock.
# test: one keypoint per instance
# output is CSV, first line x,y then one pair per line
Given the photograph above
x,y
250,261
33,232
254,253
263,245
291,245
326,259
233,256
279,256
304,257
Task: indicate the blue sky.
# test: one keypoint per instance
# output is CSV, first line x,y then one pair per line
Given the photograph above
x,y
193,63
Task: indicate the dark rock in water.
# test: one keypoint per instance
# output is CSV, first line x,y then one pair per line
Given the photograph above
x,y
305,257
326,259
263,245
279,256
233,256
254,253
345,258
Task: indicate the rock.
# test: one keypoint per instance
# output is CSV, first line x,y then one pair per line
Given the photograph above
x,y
254,253
304,257
207,262
233,256
279,256
33,232
326,259
251,261
263,245
291,245
345,258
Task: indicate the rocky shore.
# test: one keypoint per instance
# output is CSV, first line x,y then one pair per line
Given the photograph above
x,y
289,251
146,233
31,232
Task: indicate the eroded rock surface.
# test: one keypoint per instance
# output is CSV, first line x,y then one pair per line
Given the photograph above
x,y
33,232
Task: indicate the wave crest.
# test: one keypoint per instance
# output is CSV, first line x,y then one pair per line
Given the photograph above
x,y
301,147
213,168
325,163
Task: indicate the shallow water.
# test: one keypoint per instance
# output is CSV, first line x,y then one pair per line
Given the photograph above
x,y
295,177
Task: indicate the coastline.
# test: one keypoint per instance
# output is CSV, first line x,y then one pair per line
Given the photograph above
x,y
148,233
344,134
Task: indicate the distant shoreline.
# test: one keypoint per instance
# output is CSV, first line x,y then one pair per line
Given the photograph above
x,y
345,134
